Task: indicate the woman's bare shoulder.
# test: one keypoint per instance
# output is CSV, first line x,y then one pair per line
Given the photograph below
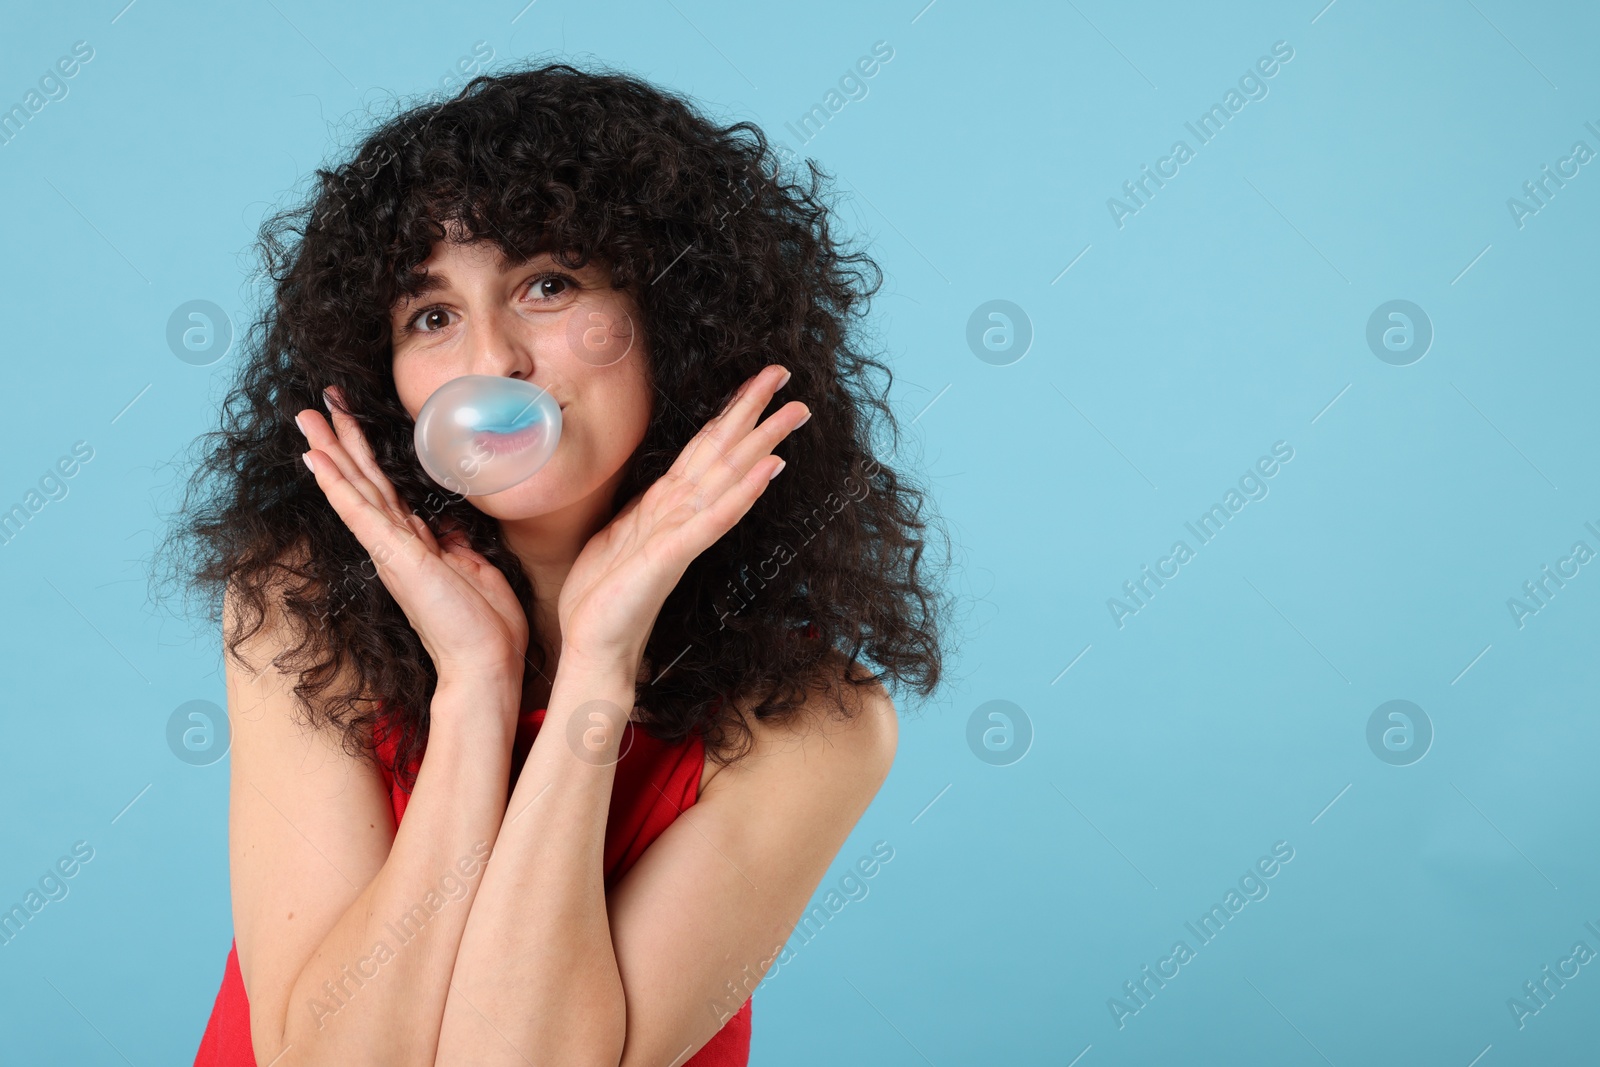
x,y
268,647
844,726
310,823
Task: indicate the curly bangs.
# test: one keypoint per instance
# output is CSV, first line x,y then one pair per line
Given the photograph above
x,y
728,252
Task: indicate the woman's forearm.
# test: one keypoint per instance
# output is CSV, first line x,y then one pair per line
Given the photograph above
x,y
536,977
374,991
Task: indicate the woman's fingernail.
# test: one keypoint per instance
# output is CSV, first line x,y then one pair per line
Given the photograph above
x,y
803,420
307,457
298,422
782,463
784,380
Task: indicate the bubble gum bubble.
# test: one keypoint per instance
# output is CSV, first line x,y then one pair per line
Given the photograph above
x,y
481,433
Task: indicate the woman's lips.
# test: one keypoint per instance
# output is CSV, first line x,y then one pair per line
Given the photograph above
x,y
500,444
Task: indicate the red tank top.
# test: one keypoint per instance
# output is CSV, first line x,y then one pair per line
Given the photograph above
x,y
654,782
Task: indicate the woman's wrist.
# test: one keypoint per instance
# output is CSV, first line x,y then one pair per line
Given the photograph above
x,y
505,667
599,665
490,700
594,682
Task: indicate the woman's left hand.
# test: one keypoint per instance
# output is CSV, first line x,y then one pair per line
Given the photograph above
x,y
620,580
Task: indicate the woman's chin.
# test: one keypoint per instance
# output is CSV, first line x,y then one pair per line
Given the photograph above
x,y
525,500
547,490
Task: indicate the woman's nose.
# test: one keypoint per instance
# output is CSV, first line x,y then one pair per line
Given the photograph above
x,y
495,346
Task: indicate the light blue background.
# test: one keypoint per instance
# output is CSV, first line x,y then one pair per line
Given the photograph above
x,y
1223,317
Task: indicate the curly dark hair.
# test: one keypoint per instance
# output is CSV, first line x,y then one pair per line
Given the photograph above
x,y
733,265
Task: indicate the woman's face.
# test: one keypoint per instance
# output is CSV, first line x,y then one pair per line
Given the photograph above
x,y
566,331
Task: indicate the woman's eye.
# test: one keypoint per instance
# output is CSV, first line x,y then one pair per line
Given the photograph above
x,y
544,289
430,320
541,287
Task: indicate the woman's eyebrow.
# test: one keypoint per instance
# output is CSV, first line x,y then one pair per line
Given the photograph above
x,y
431,282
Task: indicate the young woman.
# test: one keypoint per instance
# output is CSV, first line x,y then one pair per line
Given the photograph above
x,y
548,775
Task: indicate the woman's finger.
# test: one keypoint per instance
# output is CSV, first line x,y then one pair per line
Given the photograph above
x,y
390,544
379,534
355,442
397,549
680,465
749,451
321,436
719,436
419,524
702,529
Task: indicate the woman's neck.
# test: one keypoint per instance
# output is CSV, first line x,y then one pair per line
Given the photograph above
x,y
547,546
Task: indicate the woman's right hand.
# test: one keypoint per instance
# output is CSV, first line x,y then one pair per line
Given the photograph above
x,y
459,603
